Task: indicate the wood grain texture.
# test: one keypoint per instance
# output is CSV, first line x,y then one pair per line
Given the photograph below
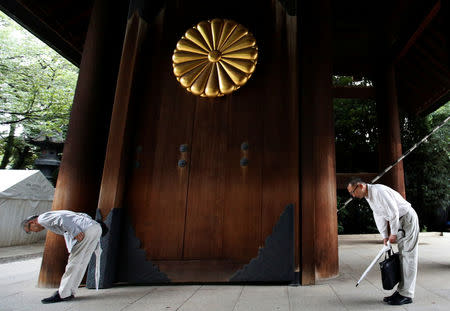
x,y
157,187
112,189
205,204
213,209
280,170
243,199
390,144
81,168
319,217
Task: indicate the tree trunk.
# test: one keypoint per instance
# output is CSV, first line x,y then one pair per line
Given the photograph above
x,y
24,153
8,146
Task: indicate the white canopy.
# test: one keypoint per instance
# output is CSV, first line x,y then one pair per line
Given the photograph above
x,y
22,193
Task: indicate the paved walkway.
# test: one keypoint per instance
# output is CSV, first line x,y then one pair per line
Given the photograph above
x,y
18,289
21,252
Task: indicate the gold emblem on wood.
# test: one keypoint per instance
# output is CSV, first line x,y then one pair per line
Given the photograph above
x,y
215,58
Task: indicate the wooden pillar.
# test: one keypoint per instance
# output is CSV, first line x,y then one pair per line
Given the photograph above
x,y
390,145
319,247
81,168
114,173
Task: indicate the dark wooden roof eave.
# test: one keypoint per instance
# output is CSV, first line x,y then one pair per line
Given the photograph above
x,y
42,30
419,28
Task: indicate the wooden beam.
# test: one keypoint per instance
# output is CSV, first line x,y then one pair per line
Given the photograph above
x,y
80,172
390,145
441,96
434,11
38,27
319,249
436,63
114,170
354,92
423,70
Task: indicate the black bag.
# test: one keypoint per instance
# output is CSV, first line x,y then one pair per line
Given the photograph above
x,y
390,270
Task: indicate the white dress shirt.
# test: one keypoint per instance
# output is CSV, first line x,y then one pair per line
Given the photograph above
x,y
387,205
66,223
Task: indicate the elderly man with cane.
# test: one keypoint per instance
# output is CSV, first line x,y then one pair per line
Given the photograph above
x,y
82,236
389,207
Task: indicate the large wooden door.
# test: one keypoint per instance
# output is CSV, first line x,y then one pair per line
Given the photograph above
x,y
223,211
205,220
202,211
209,210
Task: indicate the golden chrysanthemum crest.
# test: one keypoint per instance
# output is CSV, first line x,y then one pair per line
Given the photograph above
x,y
215,58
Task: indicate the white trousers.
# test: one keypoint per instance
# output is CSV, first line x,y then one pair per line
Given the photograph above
x,y
409,253
78,261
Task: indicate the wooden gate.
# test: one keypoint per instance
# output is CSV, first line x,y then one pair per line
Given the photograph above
x,y
209,178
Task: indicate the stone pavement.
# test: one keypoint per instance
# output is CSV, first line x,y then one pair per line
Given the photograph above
x,y
18,289
21,252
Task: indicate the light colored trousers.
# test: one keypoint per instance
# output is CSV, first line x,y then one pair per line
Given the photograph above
x,y
78,261
408,247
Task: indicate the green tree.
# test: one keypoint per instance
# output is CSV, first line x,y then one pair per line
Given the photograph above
x,y
427,168
356,138
36,92
356,133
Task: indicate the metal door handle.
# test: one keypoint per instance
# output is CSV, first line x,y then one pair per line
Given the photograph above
x,y
244,161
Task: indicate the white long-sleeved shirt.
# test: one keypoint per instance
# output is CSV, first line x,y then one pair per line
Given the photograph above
x,y
66,223
387,205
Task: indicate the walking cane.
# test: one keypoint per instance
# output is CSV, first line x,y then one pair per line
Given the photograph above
x,y
385,249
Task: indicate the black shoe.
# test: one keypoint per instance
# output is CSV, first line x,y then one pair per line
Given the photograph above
x,y
386,299
56,298
400,300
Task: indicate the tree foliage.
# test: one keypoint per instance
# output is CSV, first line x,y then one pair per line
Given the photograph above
x,y
427,169
356,139
36,92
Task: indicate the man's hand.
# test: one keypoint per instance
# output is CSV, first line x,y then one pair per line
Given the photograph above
x,y
385,241
393,238
80,236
